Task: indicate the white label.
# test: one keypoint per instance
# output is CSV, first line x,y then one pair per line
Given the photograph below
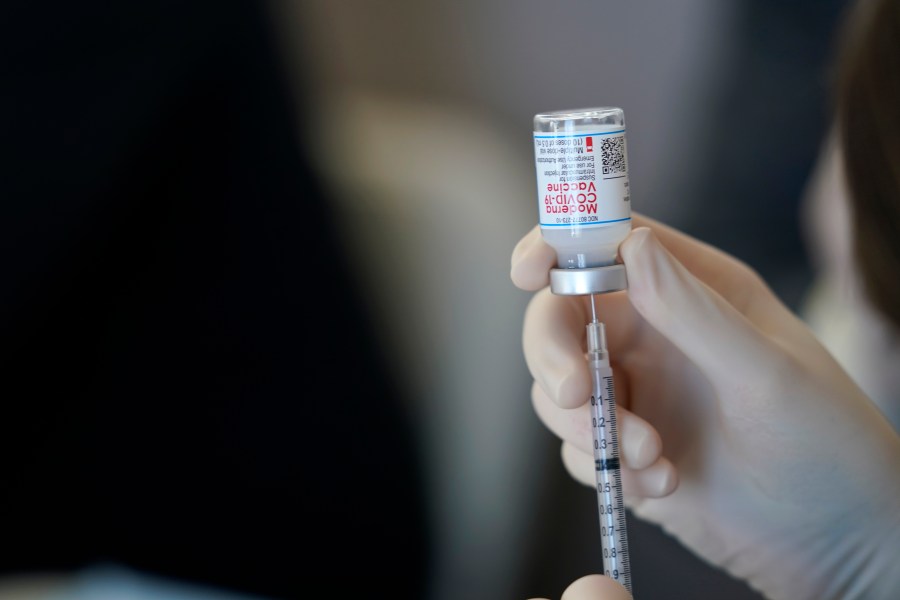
x,y
582,179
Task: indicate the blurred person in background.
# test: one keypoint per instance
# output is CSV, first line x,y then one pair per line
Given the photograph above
x,y
753,444
176,319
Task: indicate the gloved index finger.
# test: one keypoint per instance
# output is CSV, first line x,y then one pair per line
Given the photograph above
x,y
738,284
729,277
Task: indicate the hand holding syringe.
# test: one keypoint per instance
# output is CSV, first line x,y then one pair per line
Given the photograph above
x,y
744,439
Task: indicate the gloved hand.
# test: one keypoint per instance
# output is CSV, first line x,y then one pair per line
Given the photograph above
x,y
740,435
594,587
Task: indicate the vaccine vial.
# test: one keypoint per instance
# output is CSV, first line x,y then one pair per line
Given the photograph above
x,y
582,184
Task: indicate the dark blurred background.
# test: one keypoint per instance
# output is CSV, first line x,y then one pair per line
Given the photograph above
x,y
405,128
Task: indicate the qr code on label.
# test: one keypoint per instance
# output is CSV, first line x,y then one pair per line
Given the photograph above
x,y
612,155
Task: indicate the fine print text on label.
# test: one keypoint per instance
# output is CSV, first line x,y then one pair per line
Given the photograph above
x,y
582,179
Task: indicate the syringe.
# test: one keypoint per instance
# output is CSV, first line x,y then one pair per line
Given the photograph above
x,y
610,501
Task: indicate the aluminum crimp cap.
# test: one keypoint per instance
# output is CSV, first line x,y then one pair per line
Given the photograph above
x,y
595,280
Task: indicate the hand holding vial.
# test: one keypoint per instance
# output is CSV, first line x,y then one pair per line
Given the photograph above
x,y
740,434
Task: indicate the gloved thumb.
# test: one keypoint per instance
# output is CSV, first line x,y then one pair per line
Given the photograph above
x,y
712,333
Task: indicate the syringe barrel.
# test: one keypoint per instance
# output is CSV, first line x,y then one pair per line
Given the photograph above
x,y
610,498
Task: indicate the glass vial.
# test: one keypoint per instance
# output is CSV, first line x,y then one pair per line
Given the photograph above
x,y
582,184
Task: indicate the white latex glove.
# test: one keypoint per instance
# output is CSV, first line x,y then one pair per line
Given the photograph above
x,y
594,587
740,435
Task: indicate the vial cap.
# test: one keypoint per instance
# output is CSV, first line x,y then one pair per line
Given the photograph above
x,y
580,282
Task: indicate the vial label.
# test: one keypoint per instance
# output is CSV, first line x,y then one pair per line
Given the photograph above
x,y
582,178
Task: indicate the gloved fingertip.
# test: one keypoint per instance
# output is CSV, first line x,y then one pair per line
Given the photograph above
x,y
573,390
642,448
654,279
639,250
668,482
596,587
658,481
